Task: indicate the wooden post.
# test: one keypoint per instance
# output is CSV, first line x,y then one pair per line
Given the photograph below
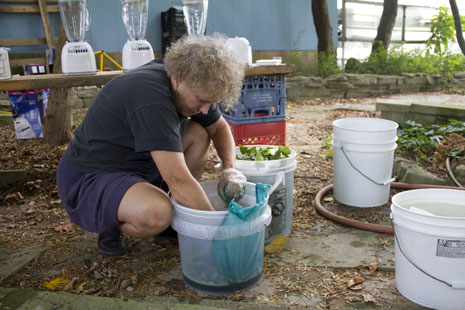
x,y
58,125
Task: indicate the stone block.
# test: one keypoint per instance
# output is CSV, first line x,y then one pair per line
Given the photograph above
x,y
446,110
363,79
409,172
416,80
11,176
392,105
6,119
358,93
87,92
337,78
388,80
339,85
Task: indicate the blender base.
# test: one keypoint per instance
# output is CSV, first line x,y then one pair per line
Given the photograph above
x,y
77,58
136,53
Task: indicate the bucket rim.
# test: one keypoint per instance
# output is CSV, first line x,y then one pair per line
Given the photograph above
x,y
393,124
396,206
177,205
335,138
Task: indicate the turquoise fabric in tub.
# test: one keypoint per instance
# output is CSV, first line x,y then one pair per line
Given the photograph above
x,y
241,258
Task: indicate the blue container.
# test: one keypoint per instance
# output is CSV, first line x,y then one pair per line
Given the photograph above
x,y
263,99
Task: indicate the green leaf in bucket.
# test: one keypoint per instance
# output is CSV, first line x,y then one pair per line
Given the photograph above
x,y
255,153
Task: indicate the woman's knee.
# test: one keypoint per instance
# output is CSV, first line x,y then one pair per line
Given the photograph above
x,y
156,217
145,210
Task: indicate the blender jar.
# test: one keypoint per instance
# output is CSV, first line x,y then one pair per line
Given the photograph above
x,y
76,19
134,14
195,16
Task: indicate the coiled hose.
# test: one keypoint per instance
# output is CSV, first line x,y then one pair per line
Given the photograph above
x,y
363,225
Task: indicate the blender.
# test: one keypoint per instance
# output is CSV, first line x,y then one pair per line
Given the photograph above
x,y
77,56
195,16
136,51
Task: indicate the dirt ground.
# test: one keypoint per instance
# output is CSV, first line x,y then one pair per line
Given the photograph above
x,y
31,214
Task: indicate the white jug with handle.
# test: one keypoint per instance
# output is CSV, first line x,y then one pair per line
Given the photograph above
x,y
241,48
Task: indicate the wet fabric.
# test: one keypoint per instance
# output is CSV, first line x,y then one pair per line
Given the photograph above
x,y
241,258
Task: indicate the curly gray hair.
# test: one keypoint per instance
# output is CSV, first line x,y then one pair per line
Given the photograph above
x,y
206,63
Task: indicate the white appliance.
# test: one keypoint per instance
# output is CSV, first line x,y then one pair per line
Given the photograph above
x,y
195,16
241,47
77,56
136,51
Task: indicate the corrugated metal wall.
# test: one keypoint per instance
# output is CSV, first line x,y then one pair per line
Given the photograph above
x,y
267,24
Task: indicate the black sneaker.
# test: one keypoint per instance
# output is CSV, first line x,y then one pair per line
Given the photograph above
x,y
169,235
111,243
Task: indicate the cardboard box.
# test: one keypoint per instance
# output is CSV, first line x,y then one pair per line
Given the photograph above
x,y
29,110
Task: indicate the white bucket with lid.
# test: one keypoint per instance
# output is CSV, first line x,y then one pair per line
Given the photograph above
x,y
202,235
429,230
363,158
281,200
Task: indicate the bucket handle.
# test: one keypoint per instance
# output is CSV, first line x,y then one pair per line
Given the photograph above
x,y
370,179
453,285
278,181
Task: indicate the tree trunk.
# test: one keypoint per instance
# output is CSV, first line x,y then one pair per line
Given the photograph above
x,y
58,122
458,25
386,25
323,28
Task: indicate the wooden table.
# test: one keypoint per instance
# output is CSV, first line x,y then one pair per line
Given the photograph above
x,y
57,128
24,82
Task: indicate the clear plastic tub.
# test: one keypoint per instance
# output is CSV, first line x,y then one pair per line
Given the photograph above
x,y
210,250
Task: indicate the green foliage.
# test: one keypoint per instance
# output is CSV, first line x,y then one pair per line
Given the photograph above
x,y
397,61
295,57
442,31
257,153
423,140
327,64
327,144
434,59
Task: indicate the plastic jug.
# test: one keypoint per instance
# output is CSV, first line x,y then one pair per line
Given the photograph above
x,y
241,48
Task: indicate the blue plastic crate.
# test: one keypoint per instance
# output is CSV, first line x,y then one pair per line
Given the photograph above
x,y
263,99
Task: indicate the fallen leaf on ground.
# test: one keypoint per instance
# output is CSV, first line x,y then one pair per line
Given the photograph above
x,y
354,281
369,298
56,283
276,246
373,267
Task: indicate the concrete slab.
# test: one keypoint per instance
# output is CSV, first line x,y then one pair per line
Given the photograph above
x,y
12,298
352,248
13,260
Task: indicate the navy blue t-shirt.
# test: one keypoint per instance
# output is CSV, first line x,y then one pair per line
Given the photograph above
x,y
132,115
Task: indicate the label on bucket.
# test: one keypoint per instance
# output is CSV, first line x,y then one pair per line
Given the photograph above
x,y
277,203
451,248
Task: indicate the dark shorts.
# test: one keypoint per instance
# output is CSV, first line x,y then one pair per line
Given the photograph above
x,y
92,198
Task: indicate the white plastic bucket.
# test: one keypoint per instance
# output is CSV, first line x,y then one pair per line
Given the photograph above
x,y
429,229
281,200
363,158
201,235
